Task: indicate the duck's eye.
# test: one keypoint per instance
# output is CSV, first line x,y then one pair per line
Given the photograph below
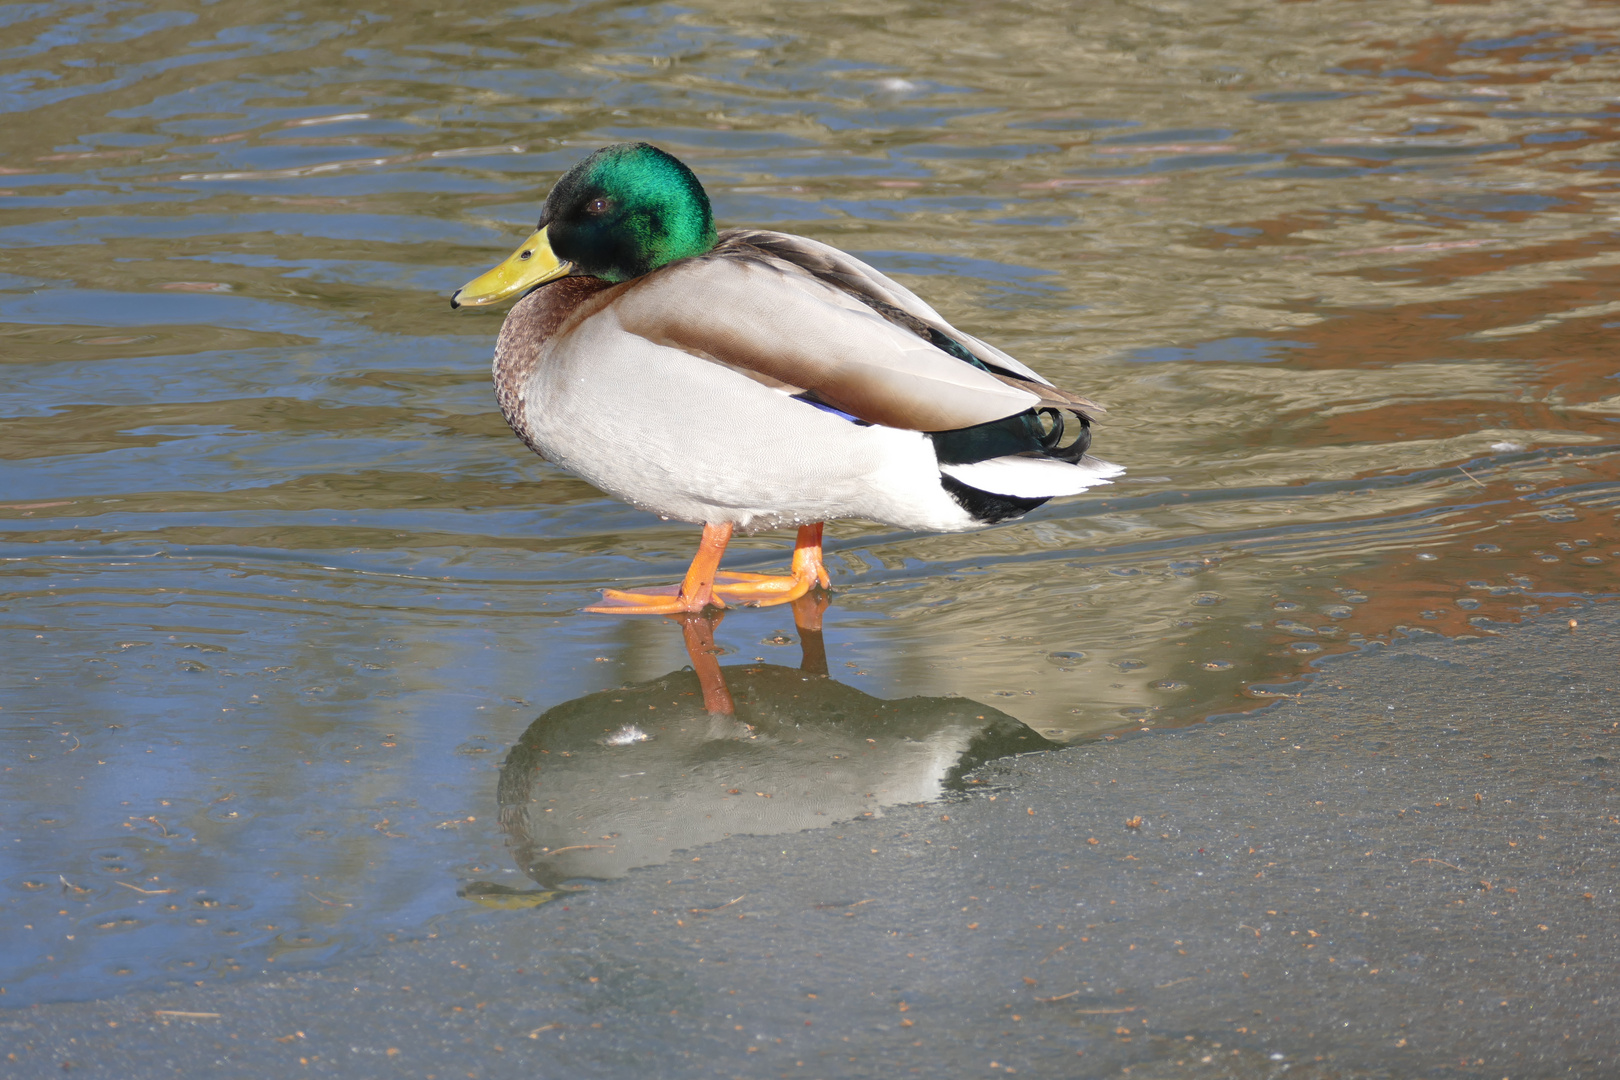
x,y
598,206
525,255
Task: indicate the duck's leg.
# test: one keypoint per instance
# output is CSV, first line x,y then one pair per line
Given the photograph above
x,y
767,590
691,595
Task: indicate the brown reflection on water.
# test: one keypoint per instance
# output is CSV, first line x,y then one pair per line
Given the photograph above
x,y
1523,531
1521,549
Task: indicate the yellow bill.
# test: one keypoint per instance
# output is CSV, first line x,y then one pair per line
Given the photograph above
x,y
532,264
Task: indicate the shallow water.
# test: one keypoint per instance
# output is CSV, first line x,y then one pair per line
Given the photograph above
x,y
280,590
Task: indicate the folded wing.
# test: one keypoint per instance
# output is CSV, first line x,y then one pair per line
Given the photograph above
x,y
896,303
811,330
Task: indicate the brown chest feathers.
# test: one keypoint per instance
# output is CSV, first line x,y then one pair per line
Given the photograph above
x,y
528,327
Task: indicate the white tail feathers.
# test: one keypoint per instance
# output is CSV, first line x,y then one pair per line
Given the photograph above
x,y
1033,477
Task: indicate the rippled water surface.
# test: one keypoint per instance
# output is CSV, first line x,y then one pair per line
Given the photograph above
x,y
279,590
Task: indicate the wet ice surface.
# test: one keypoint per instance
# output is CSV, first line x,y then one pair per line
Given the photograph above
x,y
1410,870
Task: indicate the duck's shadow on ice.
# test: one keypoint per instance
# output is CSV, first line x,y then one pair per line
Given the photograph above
x,y
625,778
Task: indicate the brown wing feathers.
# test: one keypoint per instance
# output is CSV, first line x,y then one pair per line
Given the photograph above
x,y
843,273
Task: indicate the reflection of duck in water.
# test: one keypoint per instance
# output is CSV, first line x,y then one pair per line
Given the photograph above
x,y
619,779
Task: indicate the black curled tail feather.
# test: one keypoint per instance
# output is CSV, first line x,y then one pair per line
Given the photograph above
x,y
1052,441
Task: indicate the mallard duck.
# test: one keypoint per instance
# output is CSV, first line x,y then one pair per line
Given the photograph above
x,y
748,379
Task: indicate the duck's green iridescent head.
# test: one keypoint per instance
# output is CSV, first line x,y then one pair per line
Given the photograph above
x,y
622,212
625,211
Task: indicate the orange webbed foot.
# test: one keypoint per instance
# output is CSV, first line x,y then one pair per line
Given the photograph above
x,y
658,600
760,590
768,590
688,598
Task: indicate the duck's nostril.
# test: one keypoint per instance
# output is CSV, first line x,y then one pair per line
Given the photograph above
x,y
525,255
